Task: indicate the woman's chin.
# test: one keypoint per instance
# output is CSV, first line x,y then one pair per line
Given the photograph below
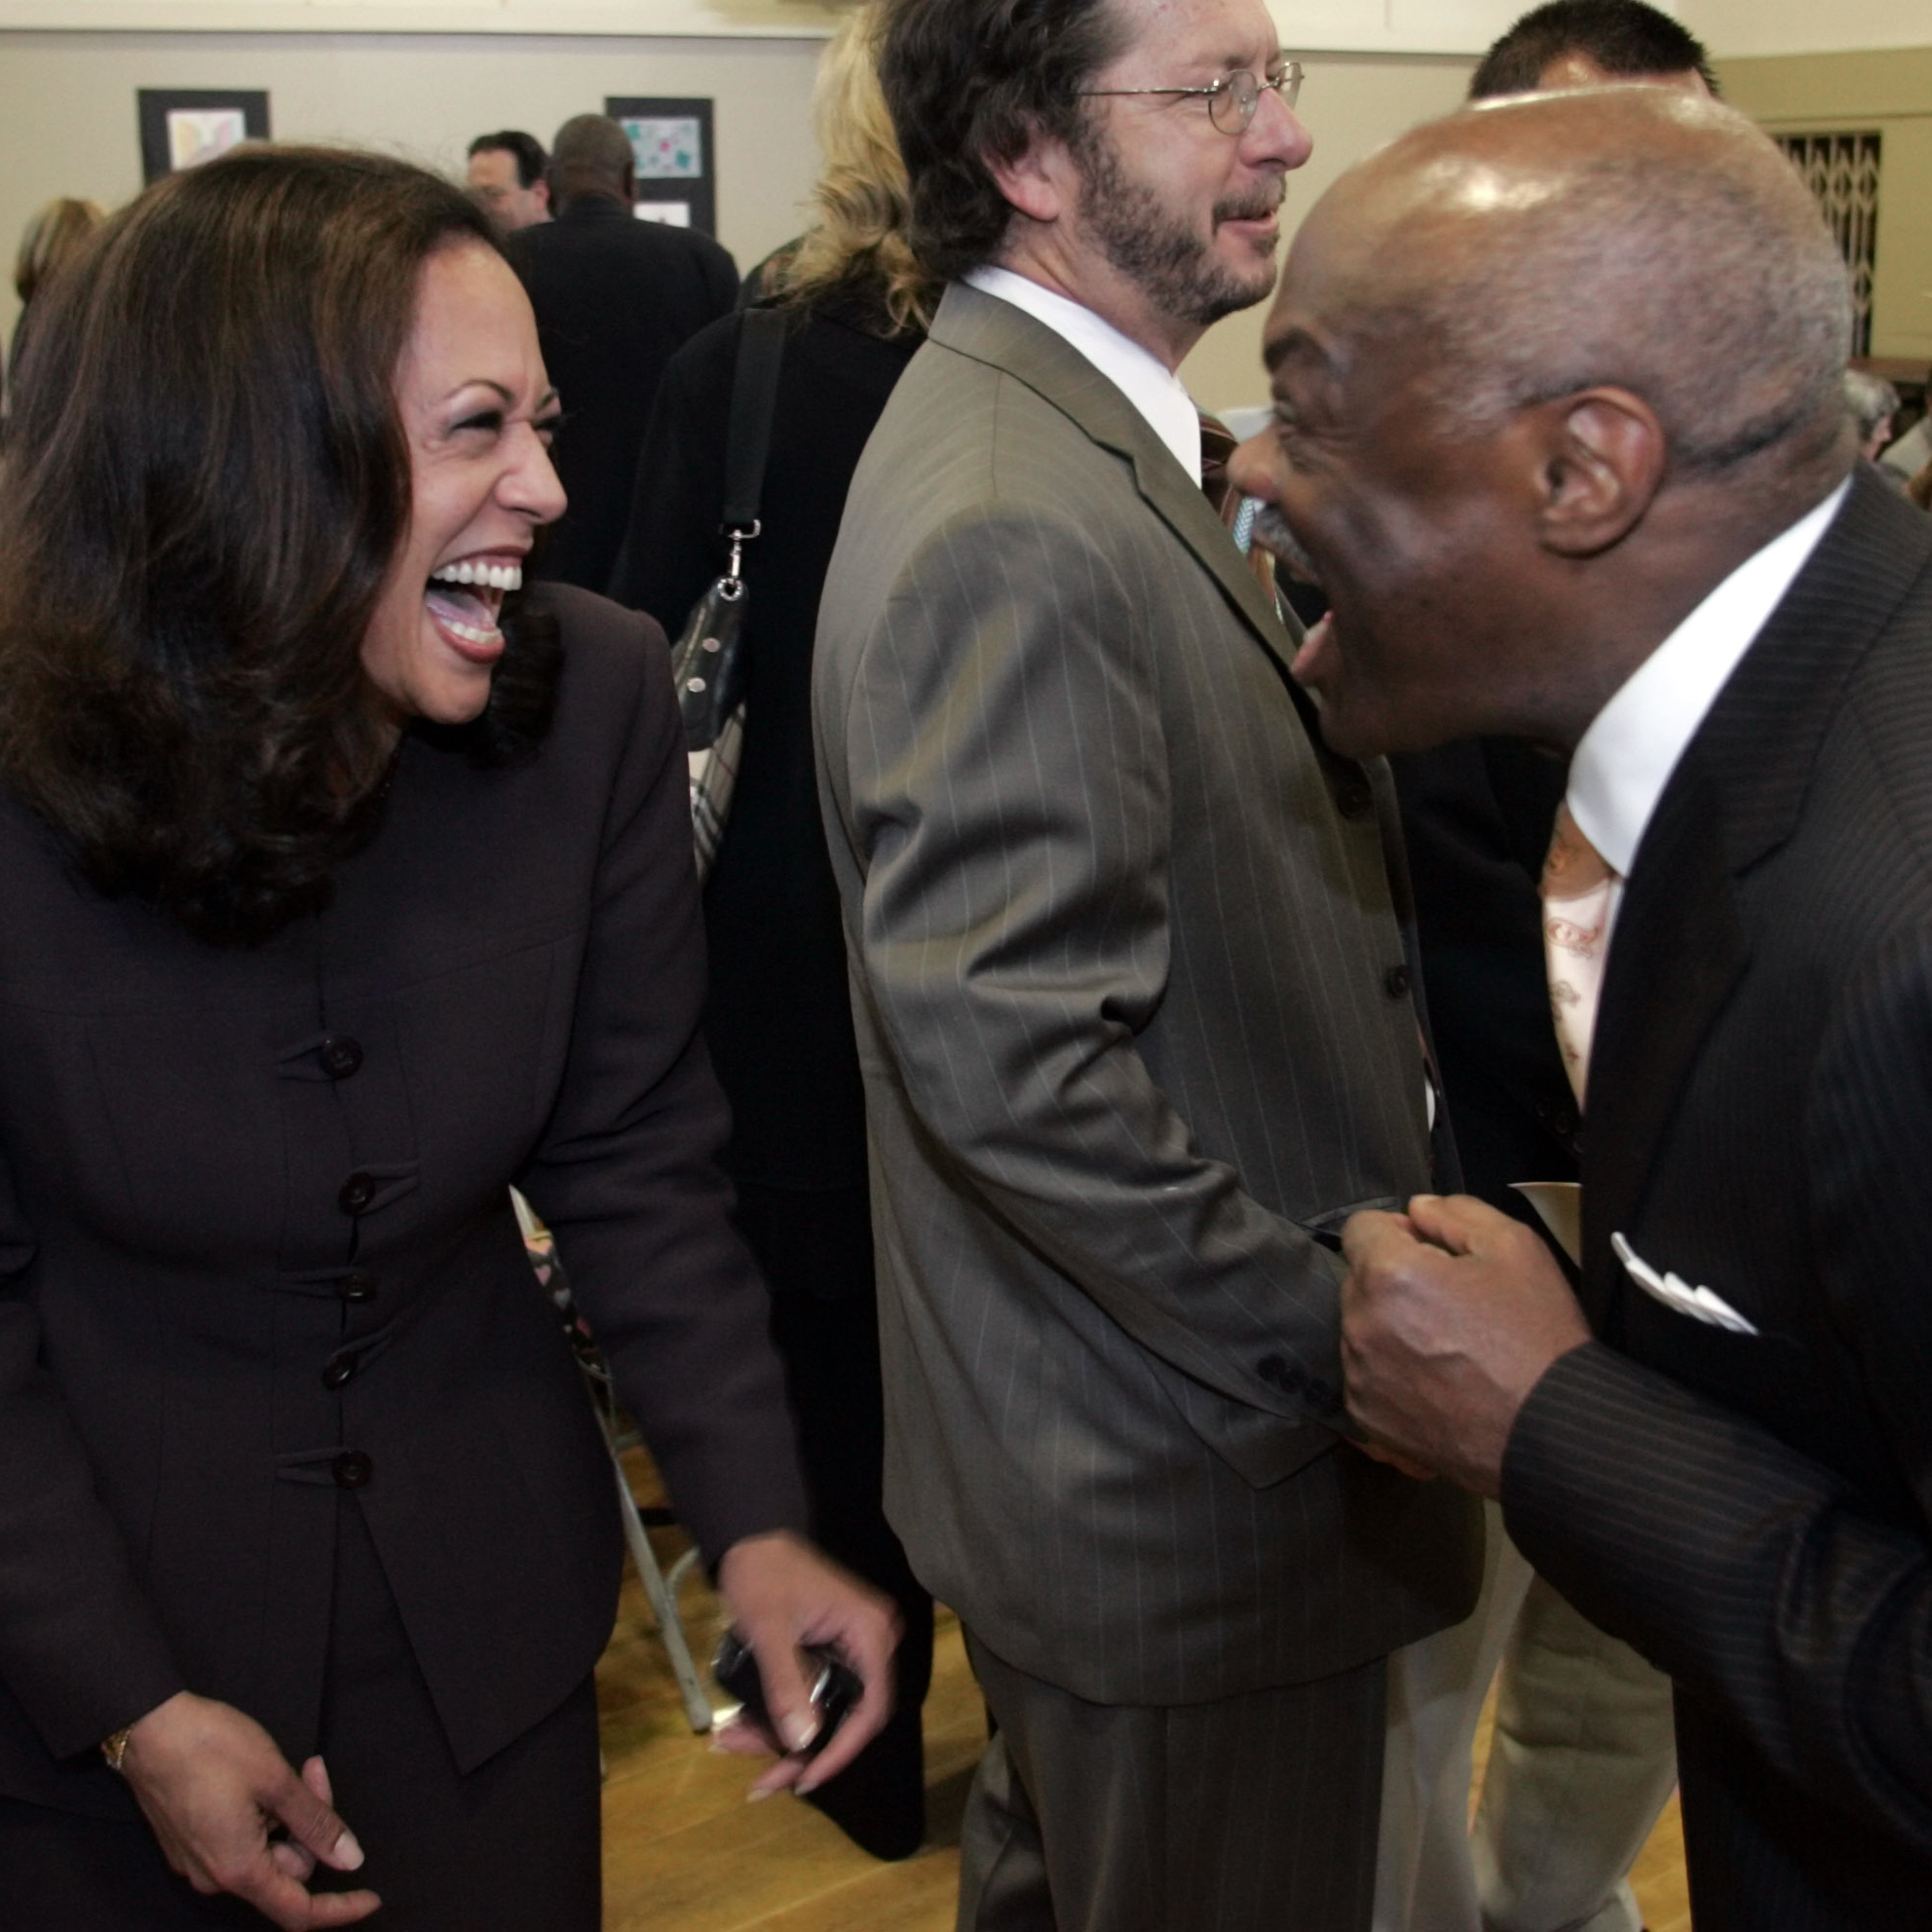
x,y
462,704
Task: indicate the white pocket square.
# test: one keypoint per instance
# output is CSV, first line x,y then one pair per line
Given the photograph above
x,y
1699,1304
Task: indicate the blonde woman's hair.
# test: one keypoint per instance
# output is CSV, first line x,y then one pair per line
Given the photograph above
x,y
861,202
54,233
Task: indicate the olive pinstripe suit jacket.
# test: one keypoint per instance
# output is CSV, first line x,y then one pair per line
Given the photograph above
x,y
1135,1040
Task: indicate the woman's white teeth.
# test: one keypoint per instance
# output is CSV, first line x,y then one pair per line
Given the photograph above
x,y
470,633
493,576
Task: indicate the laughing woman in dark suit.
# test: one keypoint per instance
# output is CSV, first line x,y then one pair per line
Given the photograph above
x,y
344,887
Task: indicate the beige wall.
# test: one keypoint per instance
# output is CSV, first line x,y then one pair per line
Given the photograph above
x,y
1363,26
1890,92
1732,28
67,122
68,119
67,126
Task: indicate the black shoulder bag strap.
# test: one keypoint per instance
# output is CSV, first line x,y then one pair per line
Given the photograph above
x,y
761,348
709,661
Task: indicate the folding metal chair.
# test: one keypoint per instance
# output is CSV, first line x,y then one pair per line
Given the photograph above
x,y
660,1585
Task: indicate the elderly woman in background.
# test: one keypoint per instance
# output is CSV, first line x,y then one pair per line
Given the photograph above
x,y
346,887
1874,403
54,235
777,1009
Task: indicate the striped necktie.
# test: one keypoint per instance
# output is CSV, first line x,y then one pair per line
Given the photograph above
x,y
1577,887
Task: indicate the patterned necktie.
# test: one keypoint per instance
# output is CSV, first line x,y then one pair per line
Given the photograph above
x,y
1217,446
1236,511
1576,888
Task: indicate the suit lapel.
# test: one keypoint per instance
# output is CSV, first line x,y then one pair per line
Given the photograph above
x,y
1736,796
996,332
1680,948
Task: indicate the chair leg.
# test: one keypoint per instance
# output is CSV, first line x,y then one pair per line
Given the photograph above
x,y
663,1594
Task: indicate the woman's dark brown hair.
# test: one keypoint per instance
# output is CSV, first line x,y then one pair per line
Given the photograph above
x,y
206,480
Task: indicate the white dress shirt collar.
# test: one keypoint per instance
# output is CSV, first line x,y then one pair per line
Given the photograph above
x,y
1147,382
1625,758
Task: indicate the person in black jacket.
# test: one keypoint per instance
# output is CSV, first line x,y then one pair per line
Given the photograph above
x,y
1619,506
615,298
347,887
779,1011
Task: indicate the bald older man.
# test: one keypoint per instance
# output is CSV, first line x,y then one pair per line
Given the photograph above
x,y
1582,1760
1561,434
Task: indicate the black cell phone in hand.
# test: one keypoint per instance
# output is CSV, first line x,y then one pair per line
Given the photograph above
x,y
835,1690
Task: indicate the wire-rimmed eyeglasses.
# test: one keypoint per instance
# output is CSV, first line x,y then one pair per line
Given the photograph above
x,y
1232,100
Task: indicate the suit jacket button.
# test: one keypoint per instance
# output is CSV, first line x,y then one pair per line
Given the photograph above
x,y
1395,982
1278,1373
357,1191
1352,797
356,1287
339,1368
352,1469
341,1057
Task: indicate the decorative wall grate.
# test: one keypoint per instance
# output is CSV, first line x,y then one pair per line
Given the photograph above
x,y
1843,172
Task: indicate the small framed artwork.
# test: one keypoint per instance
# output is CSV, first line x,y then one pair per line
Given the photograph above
x,y
181,128
673,158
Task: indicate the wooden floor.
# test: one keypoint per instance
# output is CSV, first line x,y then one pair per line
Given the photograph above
x,y
684,1853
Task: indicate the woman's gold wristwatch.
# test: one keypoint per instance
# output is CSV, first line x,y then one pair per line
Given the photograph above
x,y
115,1748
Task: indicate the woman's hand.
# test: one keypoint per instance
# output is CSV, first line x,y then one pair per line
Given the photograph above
x,y
214,1784
782,1594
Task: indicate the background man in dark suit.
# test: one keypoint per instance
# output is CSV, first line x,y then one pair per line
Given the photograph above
x,y
509,179
1563,439
615,297
1581,1760
1130,1001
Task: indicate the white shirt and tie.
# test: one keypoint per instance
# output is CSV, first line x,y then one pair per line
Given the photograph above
x,y
1147,382
1624,761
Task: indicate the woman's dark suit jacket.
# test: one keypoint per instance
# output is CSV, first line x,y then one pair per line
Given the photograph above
x,y
258,1262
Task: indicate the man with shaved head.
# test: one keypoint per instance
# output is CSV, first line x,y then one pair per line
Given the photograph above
x,y
1561,434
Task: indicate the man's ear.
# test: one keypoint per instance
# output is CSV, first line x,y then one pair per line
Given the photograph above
x,y
1040,181
1602,459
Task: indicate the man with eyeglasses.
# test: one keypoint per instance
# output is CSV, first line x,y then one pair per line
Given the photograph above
x,y
1132,1004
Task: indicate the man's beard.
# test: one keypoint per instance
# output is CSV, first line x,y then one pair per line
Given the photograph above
x,y
1143,238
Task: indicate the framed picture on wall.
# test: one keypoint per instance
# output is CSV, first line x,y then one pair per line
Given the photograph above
x,y
181,128
672,156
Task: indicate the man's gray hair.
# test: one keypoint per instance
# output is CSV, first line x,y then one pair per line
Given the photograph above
x,y
1718,295
1870,400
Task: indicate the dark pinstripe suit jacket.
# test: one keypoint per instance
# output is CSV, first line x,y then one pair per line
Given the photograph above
x,y
1134,1033
1755,1513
